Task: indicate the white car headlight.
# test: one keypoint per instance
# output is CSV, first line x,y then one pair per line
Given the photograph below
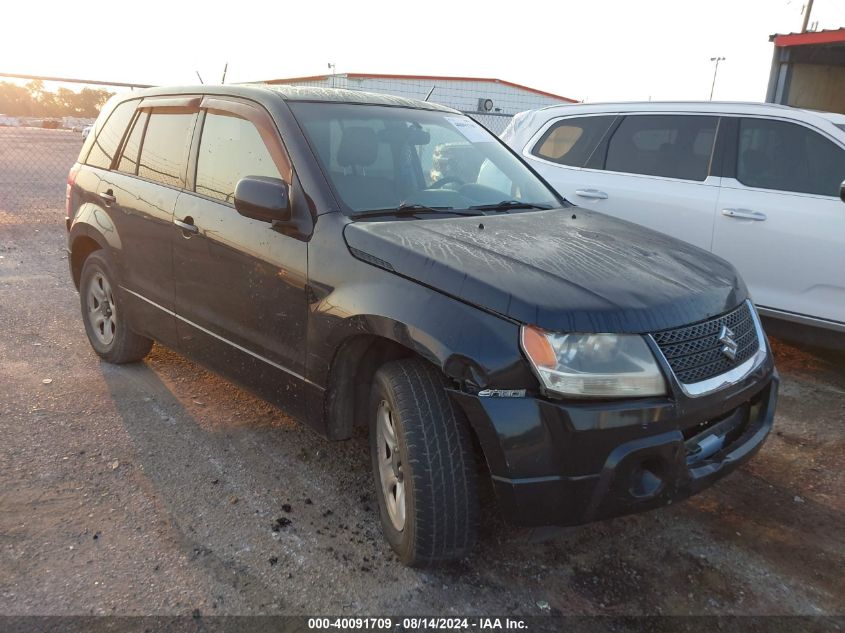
x,y
593,365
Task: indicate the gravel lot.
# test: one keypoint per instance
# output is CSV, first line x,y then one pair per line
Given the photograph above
x,y
158,488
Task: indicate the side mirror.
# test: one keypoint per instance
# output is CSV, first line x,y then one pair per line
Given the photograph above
x,y
842,192
262,198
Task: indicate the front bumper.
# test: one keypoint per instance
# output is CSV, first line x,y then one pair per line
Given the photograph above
x,y
569,463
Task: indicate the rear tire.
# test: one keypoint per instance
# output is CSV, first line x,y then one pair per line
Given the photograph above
x,y
423,464
104,318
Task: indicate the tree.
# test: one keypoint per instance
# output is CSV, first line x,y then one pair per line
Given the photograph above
x,y
15,100
34,100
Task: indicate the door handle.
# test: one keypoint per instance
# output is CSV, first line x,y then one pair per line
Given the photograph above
x,y
108,197
187,225
744,214
593,194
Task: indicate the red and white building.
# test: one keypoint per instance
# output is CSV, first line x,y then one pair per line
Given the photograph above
x,y
495,100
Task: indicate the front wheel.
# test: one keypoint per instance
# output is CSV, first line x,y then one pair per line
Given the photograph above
x,y
105,322
423,463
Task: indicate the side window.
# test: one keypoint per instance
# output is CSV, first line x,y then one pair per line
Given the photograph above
x,y
232,147
164,152
129,157
672,146
788,157
109,137
572,141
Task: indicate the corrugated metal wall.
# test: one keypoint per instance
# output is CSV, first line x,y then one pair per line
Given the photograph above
x,y
461,95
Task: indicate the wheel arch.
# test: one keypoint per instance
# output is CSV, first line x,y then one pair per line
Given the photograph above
x,y
92,230
80,250
358,357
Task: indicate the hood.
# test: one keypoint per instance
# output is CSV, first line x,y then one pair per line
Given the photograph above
x,y
568,270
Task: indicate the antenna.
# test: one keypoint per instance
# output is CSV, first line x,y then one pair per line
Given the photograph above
x,y
429,93
715,70
200,78
225,68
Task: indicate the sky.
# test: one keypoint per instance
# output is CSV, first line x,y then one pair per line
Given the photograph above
x,y
594,50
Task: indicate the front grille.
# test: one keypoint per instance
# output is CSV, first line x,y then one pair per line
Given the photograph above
x,y
695,353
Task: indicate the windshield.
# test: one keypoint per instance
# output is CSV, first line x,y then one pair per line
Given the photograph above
x,y
380,157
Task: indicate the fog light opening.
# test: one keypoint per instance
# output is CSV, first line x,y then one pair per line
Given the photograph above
x,y
647,479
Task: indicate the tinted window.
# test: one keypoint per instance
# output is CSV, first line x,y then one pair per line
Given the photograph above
x,y
672,146
109,137
572,141
231,148
129,157
788,157
164,152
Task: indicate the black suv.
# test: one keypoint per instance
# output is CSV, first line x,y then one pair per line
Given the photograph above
x,y
367,260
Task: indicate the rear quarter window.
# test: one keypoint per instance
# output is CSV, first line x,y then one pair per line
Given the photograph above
x,y
108,138
571,141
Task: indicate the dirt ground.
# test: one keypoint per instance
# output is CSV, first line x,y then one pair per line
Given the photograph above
x,y
158,488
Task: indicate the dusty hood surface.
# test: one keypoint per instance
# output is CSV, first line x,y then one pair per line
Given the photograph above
x,y
593,273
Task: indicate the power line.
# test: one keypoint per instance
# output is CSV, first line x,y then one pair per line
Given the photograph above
x,y
96,82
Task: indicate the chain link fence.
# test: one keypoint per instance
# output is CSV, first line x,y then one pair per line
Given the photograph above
x,y
496,122
34,163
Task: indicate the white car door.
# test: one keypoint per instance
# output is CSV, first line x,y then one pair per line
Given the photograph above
x,y
651,169
780,220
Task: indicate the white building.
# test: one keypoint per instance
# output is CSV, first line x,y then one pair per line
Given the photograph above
x,y
492,101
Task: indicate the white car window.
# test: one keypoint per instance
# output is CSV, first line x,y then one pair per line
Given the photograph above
x,y
788,157
672,146
572,141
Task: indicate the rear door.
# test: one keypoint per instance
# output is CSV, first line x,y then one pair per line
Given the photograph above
x,y
780,221
240,284
654,170
141,190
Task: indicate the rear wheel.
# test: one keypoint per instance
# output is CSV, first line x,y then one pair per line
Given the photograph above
x,y
105,322
423,464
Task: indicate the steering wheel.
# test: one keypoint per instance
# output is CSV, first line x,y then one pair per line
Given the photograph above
x,y
445,181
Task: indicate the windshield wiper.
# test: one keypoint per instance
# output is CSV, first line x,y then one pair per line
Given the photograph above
x,y
406,209
505,205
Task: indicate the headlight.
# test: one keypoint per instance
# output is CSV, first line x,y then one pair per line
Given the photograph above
x,y
593,365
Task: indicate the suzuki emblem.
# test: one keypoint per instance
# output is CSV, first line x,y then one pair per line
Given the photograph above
x,y
729,346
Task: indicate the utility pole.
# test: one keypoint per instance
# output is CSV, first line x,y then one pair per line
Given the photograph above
x,y
332,68
807,10
715,70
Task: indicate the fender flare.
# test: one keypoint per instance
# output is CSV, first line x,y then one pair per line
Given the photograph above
x,y
93,221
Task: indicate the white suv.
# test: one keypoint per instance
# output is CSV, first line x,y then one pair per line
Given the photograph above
x,y
757,184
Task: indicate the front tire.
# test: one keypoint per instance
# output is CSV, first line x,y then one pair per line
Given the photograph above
x,y
423,463
105,320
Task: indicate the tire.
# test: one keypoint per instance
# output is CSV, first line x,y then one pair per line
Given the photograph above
x,y
105,321
432,465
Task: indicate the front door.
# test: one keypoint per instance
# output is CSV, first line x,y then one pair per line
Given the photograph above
x,y
240,285
780,220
